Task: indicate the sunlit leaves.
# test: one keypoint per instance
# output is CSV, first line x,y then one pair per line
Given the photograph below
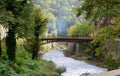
x,y
80,30
61,11
104,37
96,9
40,20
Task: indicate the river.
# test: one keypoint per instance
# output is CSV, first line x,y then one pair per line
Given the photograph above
x,y
73,67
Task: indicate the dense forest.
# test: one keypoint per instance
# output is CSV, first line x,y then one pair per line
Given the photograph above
x,y
61,15
26,21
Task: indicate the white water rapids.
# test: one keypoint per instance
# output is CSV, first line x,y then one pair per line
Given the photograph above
x,y
73,67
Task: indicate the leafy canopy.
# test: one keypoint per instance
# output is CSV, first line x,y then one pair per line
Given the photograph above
x,y
105,40
96,9
80,30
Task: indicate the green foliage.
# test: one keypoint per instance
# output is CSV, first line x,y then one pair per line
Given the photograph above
x,y
83,29
5,69
25,66
55,74
80,30
95,10
37,29
113,63
14,11
40,24
40,21
59,14
14,20
37,24
104,40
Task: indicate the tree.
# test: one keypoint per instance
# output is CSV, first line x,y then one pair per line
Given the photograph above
x,y
80,30
60,14
14,9
100,11
40,26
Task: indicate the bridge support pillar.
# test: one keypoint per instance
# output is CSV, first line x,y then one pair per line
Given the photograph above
x,y
77,48
73,48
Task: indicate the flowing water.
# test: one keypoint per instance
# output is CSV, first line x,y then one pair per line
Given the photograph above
x,y
73,67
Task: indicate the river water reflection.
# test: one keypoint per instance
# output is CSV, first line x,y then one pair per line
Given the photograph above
x,y
73,67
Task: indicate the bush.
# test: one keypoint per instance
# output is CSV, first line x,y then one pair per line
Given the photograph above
x,y
6,70
25,66
112,64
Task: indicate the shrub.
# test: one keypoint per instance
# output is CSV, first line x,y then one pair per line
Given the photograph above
x,y
113,63
25,66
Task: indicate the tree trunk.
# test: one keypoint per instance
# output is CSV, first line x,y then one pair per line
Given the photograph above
x,y
35,48
36,43
0,46
11,44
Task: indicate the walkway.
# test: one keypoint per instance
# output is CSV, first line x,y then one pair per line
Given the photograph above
x,y
109,73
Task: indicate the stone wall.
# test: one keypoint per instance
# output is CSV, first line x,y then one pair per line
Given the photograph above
x,y
117,52
114,47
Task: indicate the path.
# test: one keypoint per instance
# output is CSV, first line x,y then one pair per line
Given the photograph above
x,y
109,73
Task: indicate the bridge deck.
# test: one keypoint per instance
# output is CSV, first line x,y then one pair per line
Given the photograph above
x,y
46,40
66,38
